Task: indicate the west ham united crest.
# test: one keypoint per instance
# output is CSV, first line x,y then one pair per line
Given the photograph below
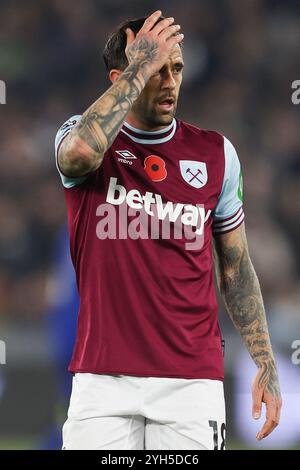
x,y
194,173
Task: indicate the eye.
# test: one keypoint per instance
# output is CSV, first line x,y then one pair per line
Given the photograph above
x,y
178,68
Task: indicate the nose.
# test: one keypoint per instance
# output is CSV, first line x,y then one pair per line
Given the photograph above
x,y
168,80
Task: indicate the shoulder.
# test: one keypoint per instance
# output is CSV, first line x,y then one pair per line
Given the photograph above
x,y
61,134
209,136
66,127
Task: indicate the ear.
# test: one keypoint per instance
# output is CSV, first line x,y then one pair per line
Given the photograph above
x,y
114,74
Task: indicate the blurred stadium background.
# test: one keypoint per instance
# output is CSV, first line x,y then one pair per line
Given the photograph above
x,y
241,58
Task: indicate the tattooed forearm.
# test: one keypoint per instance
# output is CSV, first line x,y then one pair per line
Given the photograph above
x,y
240,290
100,124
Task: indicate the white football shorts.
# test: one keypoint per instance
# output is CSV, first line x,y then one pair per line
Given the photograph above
x,y
111,412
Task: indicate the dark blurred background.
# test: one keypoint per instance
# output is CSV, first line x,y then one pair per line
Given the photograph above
x,y
241,59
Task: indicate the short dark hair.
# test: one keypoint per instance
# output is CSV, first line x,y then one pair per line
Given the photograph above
x,y
114,52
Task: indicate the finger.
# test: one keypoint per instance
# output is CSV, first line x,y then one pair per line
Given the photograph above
x,y
267,428
257,394
271,418
170,31
161,25
176,39
130,36
150,22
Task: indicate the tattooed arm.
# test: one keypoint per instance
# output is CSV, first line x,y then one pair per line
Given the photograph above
x,y
83,149
240,290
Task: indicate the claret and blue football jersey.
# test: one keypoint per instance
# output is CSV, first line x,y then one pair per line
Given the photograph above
x,y
147,298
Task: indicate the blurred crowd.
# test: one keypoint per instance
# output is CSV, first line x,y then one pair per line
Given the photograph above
x,y
241,58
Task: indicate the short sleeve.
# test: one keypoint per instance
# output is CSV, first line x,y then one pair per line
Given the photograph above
x,y
229,214
62,132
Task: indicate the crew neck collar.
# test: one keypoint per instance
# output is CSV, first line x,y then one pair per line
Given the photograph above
x,y
149,137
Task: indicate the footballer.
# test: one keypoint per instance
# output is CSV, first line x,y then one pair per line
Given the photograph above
x,y
148,358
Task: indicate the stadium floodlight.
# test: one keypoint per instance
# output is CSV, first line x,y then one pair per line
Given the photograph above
x,y
2,352
2,92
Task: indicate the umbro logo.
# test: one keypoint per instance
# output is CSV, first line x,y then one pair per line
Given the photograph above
x,y
126,156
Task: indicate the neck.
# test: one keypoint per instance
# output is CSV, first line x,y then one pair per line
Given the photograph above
x,y
134,121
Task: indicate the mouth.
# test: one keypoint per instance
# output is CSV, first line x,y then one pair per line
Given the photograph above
x,y
167,104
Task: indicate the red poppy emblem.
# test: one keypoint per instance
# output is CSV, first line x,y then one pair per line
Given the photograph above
x,y
155,168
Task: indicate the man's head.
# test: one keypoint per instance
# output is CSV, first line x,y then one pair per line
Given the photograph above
x,y
156,106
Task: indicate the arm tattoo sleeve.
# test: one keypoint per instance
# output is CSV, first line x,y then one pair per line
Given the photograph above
x,y
240,290
100,124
